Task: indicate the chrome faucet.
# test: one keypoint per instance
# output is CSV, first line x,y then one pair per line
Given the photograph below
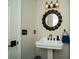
x,y
50,37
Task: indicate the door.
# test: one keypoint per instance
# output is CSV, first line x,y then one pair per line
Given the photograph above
x,y
14,29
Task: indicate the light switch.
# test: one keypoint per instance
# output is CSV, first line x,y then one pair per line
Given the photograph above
x,y
24,31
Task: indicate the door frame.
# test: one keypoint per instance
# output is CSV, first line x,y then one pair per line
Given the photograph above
x,y
18,28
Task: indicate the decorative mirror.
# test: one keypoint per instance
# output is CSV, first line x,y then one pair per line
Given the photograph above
x,y
52,20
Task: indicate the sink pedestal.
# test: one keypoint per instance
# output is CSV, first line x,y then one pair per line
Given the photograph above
x,y
49,54
49,45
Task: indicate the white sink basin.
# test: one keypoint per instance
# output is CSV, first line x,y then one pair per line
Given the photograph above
x,y
49,45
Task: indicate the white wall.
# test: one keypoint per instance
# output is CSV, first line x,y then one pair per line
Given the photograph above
x,y
28,22
32,12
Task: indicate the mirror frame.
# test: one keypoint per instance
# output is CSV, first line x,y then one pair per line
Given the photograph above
x,y
59,21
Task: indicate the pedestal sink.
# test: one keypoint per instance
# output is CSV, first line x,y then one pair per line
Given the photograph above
x,y
49,45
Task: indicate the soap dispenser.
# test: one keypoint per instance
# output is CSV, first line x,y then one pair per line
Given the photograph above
x,y
65,37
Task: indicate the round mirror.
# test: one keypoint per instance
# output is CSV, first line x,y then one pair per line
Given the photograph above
x,y
51,20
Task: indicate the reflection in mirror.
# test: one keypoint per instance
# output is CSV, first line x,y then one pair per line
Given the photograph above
x,y
51,20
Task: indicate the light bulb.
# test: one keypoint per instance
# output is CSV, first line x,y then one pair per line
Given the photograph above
x,y
57,4
46,5
51,4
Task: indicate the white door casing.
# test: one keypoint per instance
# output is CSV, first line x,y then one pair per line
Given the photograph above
x,y
14,28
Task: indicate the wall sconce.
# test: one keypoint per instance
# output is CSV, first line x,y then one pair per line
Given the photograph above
x,y
51,5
